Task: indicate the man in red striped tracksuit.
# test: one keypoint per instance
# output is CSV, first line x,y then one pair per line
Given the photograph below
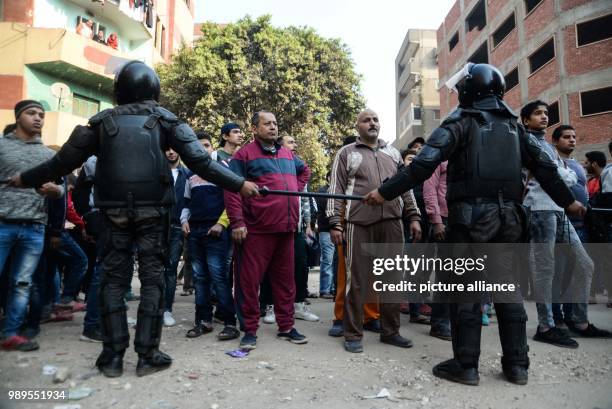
x,y
263,228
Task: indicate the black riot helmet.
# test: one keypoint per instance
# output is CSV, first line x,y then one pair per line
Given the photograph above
x,y
481,81
136,82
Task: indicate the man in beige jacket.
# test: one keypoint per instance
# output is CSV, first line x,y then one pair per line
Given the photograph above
x,y
357,169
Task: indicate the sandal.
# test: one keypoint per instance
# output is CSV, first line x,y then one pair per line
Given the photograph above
x,y
228,333
198,330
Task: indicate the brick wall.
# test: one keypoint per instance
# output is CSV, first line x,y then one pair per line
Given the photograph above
x,y
452,16
493,8
442,51
587,58
539,18
448,101
471,39
513,98
20,11
504,50
11,90
456,54
546,77
569,4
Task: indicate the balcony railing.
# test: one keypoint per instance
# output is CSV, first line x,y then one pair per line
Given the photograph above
x,y
130,23
69,55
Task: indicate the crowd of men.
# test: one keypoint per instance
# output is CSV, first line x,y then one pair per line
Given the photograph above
x,y
245,254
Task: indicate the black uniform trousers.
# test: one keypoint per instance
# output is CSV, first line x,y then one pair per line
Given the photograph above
x,y
489,223
144,230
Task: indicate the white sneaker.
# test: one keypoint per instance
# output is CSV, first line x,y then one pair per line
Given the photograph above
x,y
169,319
302,312
269,318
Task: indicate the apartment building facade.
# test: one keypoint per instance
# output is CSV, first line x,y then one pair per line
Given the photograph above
x,y
417,102
60,52
559,51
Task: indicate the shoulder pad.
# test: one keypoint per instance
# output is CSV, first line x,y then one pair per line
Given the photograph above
x,y
461,113
166,115
454,116
97,118
439,138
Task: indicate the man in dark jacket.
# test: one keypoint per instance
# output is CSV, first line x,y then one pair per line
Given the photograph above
x,y
134,190
486,149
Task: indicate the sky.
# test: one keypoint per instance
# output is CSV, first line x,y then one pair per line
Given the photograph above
x,y
373,31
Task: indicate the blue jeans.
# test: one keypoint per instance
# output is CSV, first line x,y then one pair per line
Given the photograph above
x,y
74,260
209,265
92,313
24,242
327,259
548,228
563,311
175,249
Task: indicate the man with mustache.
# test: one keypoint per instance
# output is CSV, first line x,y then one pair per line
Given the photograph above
x,y
358,168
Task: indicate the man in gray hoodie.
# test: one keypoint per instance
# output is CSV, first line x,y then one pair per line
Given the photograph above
x,y
550,226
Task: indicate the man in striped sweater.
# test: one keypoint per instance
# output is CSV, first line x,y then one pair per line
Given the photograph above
x,y
263,229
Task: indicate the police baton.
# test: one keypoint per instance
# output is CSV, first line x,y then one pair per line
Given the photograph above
x,y
600,210
264,191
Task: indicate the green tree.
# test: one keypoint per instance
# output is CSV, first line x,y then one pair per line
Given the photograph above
x,y
308,81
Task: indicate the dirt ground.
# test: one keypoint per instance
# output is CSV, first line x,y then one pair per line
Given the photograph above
x,y
319,374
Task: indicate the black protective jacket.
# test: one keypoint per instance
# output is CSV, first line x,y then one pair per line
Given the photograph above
x,y
452,142
84,142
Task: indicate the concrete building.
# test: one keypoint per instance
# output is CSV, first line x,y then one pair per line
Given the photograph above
x,y
559,51
44,58
417,102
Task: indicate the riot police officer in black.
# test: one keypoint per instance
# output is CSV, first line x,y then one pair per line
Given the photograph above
x,y
134,190
486,149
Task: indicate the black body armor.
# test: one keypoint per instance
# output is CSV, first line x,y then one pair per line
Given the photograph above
x,y
490,166
121,180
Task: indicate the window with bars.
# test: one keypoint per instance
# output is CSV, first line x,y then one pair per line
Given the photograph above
x,y
416,113
84,106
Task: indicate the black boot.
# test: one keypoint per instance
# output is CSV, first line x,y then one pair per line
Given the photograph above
x,y
516,374
151,362
453,371
110,362
512,320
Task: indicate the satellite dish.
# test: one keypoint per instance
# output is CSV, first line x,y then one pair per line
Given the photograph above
x,y
61,91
